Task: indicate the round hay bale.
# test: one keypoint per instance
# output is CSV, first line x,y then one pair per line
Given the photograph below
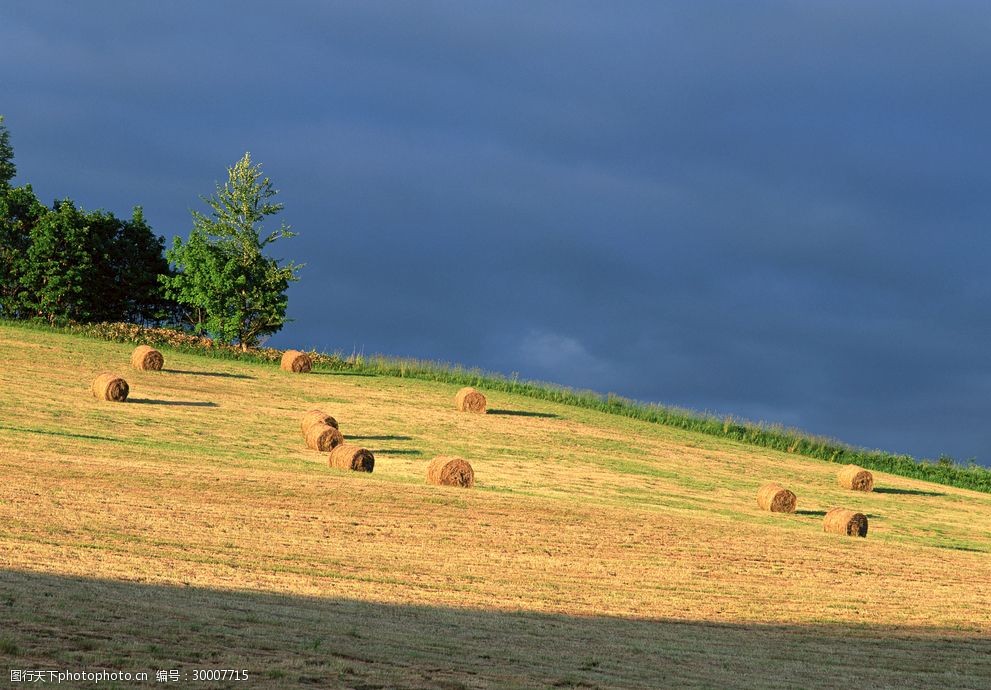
x,y
450,471
317,417
856,478
109,386
297,362
846,522
470,400
776,498
322,437
349,457
147,358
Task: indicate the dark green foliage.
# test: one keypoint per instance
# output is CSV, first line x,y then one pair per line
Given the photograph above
x,y
7,168
20,211
66,264
58,266
127,260
226,284
88,266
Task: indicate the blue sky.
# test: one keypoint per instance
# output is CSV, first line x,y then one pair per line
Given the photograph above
x,y
776,210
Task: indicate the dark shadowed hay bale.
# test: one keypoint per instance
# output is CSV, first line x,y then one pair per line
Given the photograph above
x,y
297,362
317,417
470,400
843,521
451,471
776,498
856,478
349,457
147,358
322,437
108,386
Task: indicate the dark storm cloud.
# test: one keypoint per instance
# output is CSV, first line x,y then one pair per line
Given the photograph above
x,y
774,210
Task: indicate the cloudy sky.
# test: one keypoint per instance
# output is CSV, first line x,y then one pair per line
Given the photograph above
x,y
777,210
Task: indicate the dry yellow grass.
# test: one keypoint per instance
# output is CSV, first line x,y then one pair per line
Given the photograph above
x,y
322,437
855,478
595,550
470,400
849,523
109,386
776,498
451,471
316,417
147,358
296,362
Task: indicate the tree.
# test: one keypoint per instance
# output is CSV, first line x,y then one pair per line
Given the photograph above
x,y
64,263
57,266
7,168
140,262
228,286
90,266
127,260
20,211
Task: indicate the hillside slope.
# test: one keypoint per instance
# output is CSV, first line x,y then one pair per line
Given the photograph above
x,y
188,528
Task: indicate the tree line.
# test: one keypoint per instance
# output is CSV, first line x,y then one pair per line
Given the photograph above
x,y
63,264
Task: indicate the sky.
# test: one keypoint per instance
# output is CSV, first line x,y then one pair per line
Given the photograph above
x,y
772,210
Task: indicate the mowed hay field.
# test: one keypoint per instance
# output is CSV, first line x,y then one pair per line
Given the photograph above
x,y
189,528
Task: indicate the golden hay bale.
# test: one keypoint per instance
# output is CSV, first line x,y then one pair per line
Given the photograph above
x,y
856,478
322,437
147,358
847,522
108,386
470,400
450,471
317,417
297,362
349,457
776,498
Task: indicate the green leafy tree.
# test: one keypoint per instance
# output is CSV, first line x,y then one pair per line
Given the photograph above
x,y
227,285
127,259
20,211
64,263
91,266
7,168
58,265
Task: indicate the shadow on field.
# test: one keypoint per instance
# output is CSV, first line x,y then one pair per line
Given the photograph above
x,y
961,547
172,403
53,621
906,492
67,434
521,413
342,373
380,438
396,451
221,374
822,513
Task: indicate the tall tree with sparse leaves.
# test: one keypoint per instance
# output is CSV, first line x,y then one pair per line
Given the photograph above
x,y
229,288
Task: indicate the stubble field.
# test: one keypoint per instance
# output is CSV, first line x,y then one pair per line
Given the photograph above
x,y
189,528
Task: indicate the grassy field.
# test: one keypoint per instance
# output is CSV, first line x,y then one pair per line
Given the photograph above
x,y
189,529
